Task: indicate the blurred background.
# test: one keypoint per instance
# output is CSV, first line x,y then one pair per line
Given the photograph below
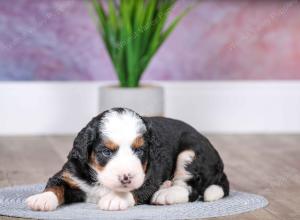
x,y
235,62
218,40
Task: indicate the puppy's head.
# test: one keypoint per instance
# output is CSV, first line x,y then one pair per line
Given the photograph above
x,y
119,149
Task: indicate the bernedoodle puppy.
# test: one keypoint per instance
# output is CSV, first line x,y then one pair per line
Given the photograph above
x,y
121,159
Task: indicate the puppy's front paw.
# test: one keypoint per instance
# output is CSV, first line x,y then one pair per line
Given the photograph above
x,y
170,195
116,201
46,201
166,184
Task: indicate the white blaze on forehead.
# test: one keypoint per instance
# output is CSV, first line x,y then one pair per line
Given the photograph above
x,y
122,127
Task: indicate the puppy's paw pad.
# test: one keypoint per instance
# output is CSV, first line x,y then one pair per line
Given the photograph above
x,y
171,195
116,201
46,201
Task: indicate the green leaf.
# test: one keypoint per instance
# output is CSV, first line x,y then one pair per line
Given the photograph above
x,y
100,12
112,15
132,31
158,28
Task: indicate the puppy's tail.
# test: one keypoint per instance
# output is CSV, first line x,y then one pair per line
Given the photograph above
x,y
217,190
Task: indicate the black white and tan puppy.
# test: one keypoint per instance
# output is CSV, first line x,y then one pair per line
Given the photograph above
x,y
121,159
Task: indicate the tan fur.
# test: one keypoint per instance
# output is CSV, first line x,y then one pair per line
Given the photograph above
x,y
111,145
58,191
68,179
145,165
138,142
94,163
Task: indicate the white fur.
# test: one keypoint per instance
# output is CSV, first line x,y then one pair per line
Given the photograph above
x,y
46,201
213,193
183,159
172,195
116,201
94,193
125,162
105,197
122,129
177,191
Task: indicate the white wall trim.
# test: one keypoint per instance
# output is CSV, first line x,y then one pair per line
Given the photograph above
x,y
40,108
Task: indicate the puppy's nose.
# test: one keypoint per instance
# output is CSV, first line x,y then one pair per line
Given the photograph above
x,y
125,179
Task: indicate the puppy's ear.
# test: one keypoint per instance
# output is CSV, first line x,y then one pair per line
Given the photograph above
x,y
85,139
83,142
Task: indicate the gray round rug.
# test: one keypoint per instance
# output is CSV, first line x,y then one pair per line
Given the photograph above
x,y
12,204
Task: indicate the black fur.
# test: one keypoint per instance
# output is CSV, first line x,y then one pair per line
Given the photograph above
x,y
164,140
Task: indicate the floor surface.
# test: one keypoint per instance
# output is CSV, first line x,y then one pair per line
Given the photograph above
x,y
268,165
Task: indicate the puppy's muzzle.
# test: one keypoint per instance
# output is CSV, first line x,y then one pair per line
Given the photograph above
x,y
125,179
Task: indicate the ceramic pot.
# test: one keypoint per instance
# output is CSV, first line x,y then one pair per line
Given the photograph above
x,y
146,100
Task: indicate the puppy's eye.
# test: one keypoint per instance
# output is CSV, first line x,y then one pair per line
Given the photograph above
x,y
107,152
138,151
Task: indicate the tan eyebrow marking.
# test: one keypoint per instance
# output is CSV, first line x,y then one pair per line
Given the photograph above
x,y
138,142
111,145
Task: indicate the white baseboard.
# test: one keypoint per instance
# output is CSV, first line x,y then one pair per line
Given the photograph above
x,y
41,108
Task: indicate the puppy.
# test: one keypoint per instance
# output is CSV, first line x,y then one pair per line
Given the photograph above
x,y
121,159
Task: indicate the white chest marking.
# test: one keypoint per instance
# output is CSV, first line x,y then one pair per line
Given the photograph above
x,y
93,193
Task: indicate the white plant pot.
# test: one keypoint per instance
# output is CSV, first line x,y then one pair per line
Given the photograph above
x,y
145,100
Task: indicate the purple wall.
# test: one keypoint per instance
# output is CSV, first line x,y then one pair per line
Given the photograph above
x,y
218,40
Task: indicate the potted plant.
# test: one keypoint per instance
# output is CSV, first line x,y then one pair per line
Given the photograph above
x,y
132,32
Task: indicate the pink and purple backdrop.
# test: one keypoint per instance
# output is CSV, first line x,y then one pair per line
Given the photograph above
x,y
218,40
